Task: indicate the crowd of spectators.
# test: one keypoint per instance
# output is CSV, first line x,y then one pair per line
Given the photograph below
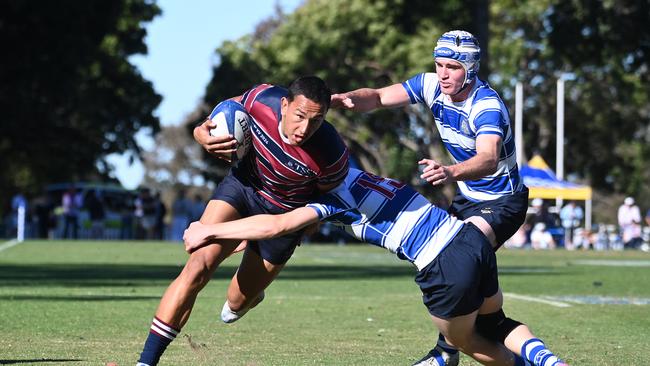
x,y
88,212
565,228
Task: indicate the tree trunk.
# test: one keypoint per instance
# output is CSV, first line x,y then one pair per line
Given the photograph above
x,y
480,20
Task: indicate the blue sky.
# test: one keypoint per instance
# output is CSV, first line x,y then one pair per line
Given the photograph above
x,y
181,55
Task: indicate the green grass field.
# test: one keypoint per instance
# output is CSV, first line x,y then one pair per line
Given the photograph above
x,y
89,303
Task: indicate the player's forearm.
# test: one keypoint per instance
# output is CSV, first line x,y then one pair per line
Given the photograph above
x,y
258,227
477,167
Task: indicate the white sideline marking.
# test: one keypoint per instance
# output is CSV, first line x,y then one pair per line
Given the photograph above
x,y
525,270
603,300
536,299
613,262
8,244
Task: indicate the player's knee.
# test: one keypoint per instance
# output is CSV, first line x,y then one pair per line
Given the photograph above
x,y
460,341
495,326
460,338
197,272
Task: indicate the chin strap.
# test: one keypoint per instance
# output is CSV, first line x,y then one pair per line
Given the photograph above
x,y
462,88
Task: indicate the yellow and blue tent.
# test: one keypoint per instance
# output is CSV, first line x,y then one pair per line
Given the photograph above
x,y
543,183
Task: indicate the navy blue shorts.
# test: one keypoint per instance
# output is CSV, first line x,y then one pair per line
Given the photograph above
x,y
504,214
457,281
248,202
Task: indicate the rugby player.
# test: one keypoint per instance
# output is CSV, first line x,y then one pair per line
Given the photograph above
x,y
456,264
295,156
474,125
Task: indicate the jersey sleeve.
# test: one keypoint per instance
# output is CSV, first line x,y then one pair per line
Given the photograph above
x,y
334,203
422,88
263,96
487,116
247,93
242,101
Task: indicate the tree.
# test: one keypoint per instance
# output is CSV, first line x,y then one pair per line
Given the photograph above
x,y
603,49
68,92
176,160
351,44
607,46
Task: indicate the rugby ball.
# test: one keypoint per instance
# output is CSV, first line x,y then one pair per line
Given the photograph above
x,y
231,118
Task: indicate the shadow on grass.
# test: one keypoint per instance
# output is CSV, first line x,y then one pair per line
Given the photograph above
x,y
132,275
86,275
77,297
11,362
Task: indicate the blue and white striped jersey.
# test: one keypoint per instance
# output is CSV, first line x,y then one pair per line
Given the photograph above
x,y
389,214
459,124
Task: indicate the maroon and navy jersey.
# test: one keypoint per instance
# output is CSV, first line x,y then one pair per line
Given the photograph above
x,y
288,176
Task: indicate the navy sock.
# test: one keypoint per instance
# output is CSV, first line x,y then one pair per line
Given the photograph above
x,y
520,361
160,336
445,346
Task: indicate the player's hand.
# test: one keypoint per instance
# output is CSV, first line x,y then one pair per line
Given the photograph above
x,y
219,146
434,172
240,247
196,236
341,101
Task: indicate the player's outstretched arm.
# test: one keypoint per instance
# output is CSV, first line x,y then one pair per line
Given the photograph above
x,y
366,99
256,227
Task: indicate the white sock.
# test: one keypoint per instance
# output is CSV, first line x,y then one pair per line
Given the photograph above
x,y
227,315
230,316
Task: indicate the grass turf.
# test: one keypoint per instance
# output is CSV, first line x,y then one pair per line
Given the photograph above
x,y
90,303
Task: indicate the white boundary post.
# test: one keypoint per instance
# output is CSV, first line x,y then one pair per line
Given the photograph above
x,y
20,232
559,143
588,214
519,120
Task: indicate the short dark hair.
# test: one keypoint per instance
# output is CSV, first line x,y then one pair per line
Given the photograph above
x,y
313,88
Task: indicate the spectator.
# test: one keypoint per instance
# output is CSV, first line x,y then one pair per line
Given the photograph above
x,y
629,221
198,205
614,240
181,215
601,241
126,209
144,213
43,211
97,213
541,214
160,211
571,216
149,220
540,238
71,203
583,238
646,233
519,239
